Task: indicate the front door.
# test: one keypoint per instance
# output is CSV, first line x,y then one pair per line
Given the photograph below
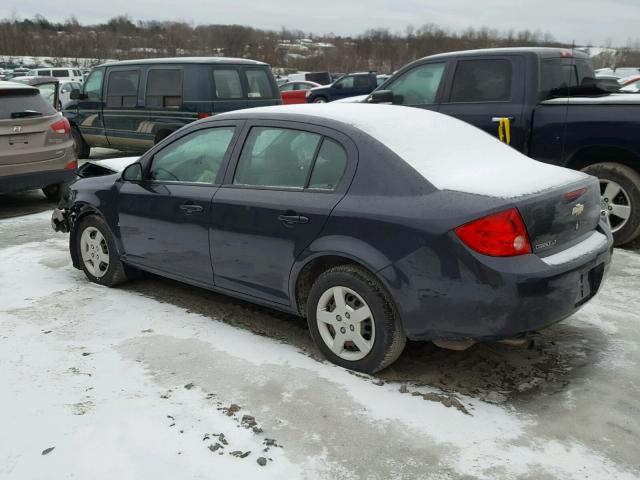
x,y
90,120
420,87
276,202
164,219
488,94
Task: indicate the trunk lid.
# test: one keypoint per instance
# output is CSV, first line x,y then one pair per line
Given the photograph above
x,y
559,218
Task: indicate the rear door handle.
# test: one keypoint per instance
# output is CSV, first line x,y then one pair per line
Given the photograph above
x,y
292,219
190,208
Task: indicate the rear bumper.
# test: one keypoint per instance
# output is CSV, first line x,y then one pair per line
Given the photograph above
x,y
29,181
487,298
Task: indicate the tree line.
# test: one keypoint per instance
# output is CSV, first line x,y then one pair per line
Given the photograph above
x,y
376,49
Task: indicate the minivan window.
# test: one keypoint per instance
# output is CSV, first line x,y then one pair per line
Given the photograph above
x,y
482,81
329,166
93,86
259,84
418,86
44,73
276,157
122,89
19,101
60,73
195,158
227,83
164,88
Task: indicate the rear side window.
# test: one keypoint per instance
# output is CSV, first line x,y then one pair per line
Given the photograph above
x,y
60,73
195,158
122,89
44,73
227,83
164,88
276,157
418,86
258,82
15,102
482,81
329,167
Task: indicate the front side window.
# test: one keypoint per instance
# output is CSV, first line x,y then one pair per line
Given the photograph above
x,y
164,88
418,86
93,86
227,83
195,158
276,157
346,82
122,89
329,166
482,81
258,82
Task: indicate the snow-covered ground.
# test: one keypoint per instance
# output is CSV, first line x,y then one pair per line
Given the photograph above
x,y
155,380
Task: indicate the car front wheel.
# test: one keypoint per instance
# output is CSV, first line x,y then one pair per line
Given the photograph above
x,y
97,252
319,100
353,321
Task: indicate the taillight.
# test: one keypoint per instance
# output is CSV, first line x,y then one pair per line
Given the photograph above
x,y
501,234
72,165
203,115
61,126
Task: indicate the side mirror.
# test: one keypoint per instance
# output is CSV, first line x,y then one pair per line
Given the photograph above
x,y
77,95
133,173
381,96
338,86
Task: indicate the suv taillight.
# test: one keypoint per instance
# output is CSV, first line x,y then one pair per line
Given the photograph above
x,y
61,126
501,234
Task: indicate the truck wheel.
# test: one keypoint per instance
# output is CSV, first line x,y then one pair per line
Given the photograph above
x,y
353,321
98,253
620,199
80,146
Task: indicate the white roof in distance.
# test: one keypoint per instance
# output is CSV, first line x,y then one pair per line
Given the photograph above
x,y
450,153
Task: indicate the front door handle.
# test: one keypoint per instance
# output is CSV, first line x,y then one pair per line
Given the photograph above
x,y
293,219
499,119
190,208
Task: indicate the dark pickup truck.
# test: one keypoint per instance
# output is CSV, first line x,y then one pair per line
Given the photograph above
x,y
544,102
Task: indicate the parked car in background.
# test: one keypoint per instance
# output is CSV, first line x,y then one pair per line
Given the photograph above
x,y
70,74
49,88
350,85
335,213
321,78
632,86
134,104
36,149
296,92
545,103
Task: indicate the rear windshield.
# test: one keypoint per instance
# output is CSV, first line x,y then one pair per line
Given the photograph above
x,y
20,102
558,74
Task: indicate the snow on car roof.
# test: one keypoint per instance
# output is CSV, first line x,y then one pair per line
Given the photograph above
x,y
451,154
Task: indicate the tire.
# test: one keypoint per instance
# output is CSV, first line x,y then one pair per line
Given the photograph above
x,y
80,146
53,192
319,100
100,264
624,183
380,334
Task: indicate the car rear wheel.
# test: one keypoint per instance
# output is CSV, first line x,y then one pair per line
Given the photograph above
x,y
53,192
319,100
79,145
353,321
97,252
619,199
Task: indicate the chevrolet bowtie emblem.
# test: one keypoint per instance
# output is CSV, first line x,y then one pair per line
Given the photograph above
x,y
578,208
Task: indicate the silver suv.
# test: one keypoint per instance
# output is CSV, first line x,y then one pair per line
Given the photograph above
x,y
36,148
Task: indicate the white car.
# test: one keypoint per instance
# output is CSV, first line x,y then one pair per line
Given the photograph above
x,y
64,92
70,74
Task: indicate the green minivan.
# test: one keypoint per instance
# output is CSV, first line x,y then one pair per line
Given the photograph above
x,y
133,104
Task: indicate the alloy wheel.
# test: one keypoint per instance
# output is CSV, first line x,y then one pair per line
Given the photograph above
x,y
614,203
345,322
94,251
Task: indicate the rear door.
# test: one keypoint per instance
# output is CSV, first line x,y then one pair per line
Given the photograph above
x,y
485,90
164,218
277,196
122,116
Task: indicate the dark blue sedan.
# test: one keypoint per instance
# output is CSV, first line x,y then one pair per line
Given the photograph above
x,y
378,223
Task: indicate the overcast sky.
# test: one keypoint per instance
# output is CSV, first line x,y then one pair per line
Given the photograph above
x,y
585,21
